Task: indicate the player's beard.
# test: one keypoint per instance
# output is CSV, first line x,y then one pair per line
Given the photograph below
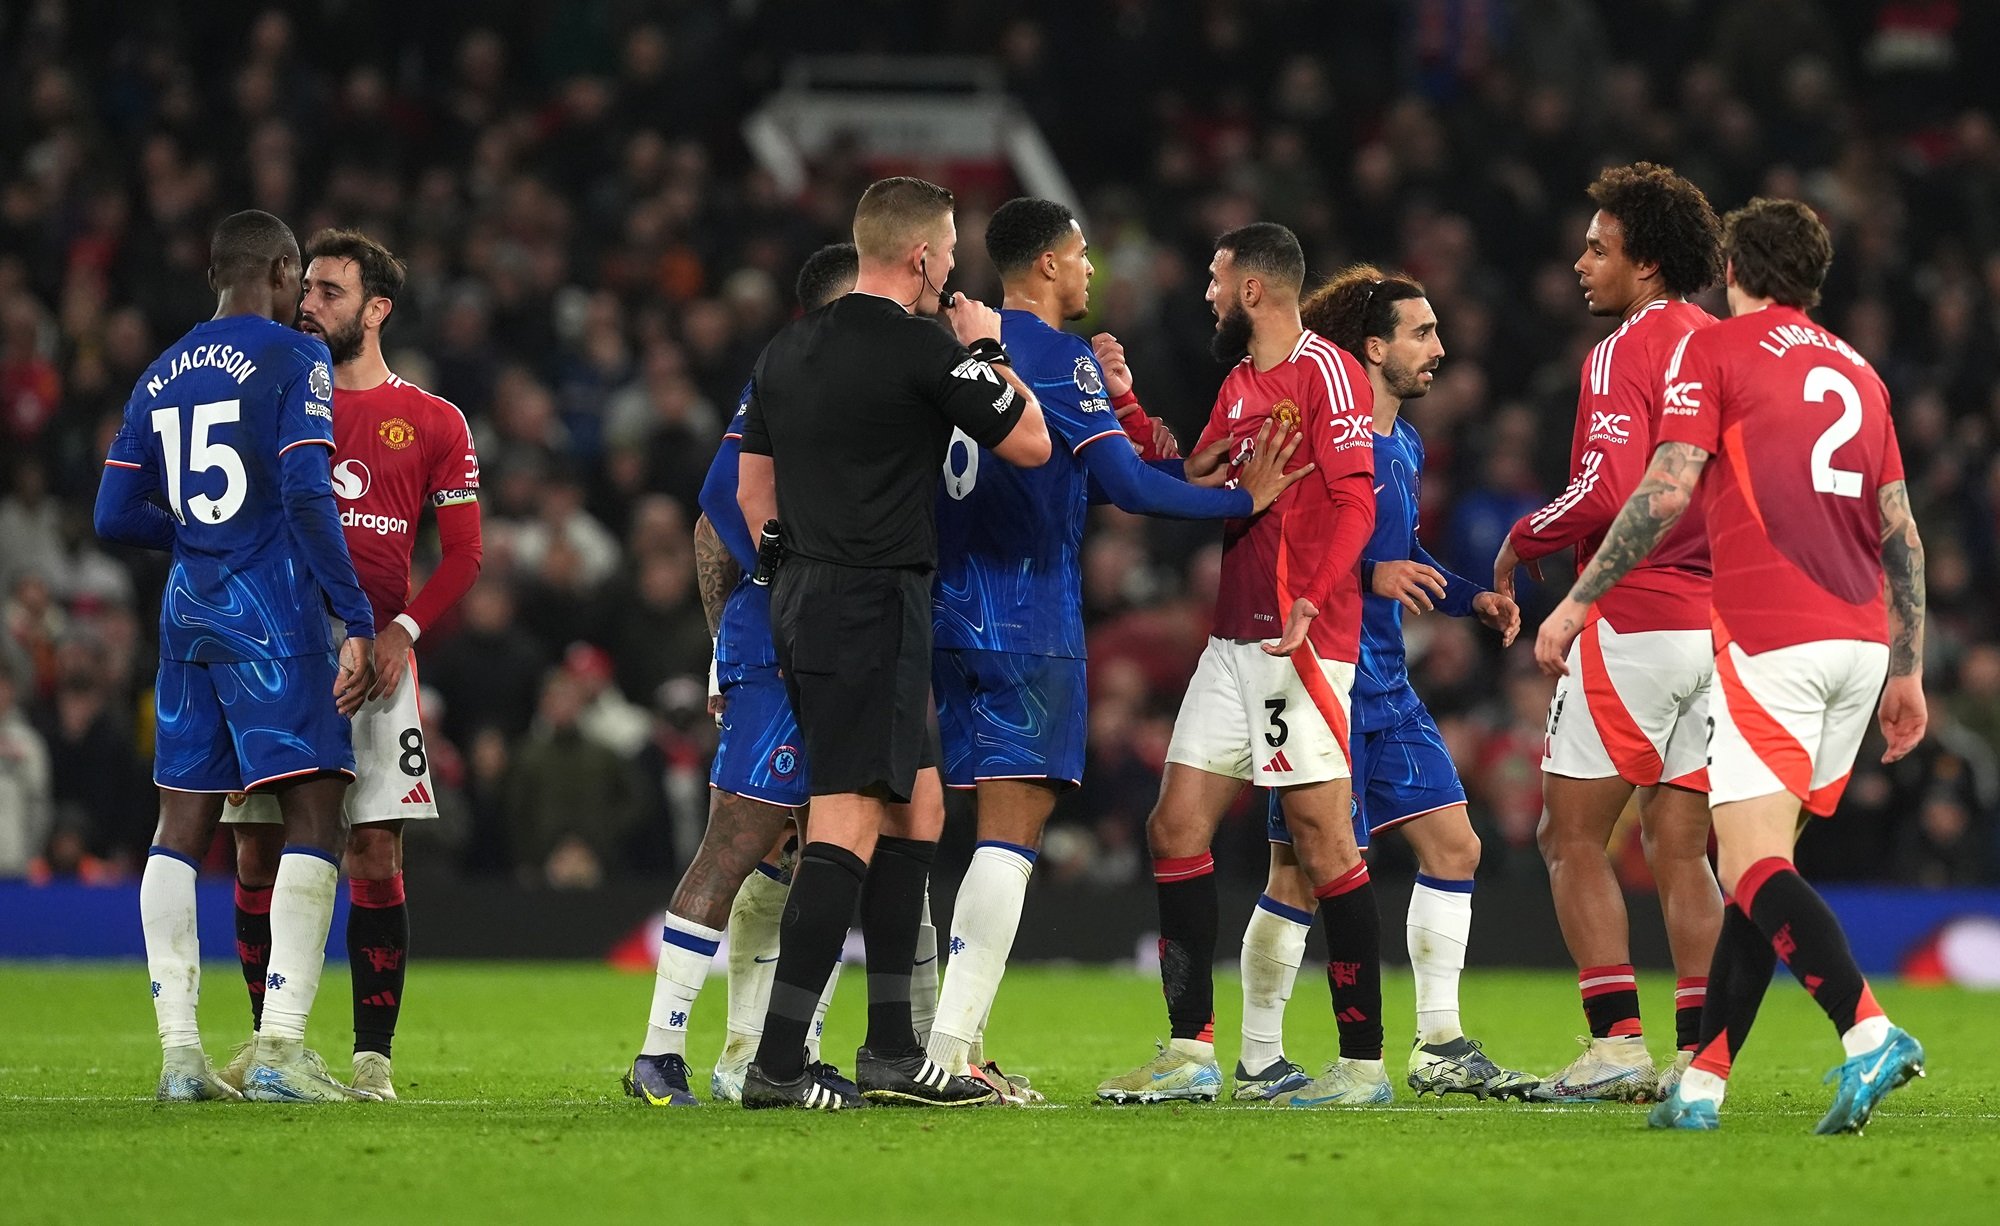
x,y
1232,335
1405,383
343,343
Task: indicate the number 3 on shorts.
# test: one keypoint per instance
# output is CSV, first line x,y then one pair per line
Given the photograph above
x,y
1276,737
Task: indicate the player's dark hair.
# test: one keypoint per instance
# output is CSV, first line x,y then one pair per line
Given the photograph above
x,y
896,212
244,245
1022,229
1778,249
1358,303
828,273
1666,221
381,272
1269,251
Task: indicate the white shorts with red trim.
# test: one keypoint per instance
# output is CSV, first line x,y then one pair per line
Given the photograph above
x,y
1633,705
1792,719
391,765
1277,721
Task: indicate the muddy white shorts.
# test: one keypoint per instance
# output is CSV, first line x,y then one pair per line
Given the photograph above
x,y
1275,721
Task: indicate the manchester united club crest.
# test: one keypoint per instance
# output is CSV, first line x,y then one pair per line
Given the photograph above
x,y
399,434
1286,414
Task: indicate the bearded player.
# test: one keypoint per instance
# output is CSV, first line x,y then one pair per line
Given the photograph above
x,y
396,449
1269,700
1810,524
1404,778
1007,614
1632,711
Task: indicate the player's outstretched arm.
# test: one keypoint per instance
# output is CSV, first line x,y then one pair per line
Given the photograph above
x,y
1903,714
126,514
1142,489
1663,496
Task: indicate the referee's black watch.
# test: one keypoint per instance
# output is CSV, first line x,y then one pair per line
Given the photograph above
x,y
990,351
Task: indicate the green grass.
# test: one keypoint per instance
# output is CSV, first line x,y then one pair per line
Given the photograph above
x,y
512,1112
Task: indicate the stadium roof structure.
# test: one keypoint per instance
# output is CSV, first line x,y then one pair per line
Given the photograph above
x,y
932,115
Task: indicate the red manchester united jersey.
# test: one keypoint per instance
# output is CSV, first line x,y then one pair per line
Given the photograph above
x,y
1305,545
397,448
1798,425
1617,425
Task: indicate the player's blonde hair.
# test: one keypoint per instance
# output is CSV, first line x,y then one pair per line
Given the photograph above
x,y
897,213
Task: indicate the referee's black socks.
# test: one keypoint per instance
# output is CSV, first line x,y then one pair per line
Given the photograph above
x,y
825,886
892,909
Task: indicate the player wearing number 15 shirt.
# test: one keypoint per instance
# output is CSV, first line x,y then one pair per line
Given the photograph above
x,y
1787,428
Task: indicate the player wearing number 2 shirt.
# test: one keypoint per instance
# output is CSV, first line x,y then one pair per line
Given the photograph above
x,y
1788,429
397,450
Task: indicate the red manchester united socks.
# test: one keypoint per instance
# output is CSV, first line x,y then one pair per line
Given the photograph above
x,y
378,944
1188,923
1737,978
1610,1000
1807,937
253,943
1353,930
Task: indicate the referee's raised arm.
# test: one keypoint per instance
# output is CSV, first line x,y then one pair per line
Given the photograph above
x,y
852,412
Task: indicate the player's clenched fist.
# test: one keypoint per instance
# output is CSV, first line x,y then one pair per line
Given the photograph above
x,y
1111,357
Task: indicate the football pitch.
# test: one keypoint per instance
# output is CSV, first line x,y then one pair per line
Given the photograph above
x,y
511,1112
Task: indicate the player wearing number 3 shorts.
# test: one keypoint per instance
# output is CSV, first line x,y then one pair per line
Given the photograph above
x,y
397,448
1631,712
1269,700
1788,430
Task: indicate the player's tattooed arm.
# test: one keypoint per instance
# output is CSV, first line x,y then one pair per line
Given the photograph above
x,y
715,573
1662,497
1903,575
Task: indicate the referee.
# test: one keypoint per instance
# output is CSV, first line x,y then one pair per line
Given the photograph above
x,y
851,415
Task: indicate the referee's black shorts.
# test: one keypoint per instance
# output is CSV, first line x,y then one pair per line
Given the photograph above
x,y
855,647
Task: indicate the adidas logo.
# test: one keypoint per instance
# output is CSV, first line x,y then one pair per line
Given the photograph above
x,y
421,795
1278,762
381,1000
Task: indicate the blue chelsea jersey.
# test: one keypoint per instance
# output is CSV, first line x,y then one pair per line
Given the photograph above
x,y
1382,697
1010,539
206,428
744,636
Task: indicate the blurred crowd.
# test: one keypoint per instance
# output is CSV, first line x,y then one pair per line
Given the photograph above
x,y
596,260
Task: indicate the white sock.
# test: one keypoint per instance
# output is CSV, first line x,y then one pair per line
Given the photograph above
x,y
1865,1035
753,951
1273,947
1439,922
173,951
924,976
686,950
819,1013
1699,1085
983,924
1194,1049
301,911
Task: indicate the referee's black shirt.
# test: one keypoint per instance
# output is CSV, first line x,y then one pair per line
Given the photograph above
x,y
855,403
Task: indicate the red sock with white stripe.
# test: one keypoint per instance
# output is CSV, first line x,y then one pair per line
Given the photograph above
x,y
1188,923
378,946
1354,961
1610,1000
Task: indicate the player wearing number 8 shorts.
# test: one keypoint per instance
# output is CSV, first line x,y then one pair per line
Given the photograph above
x,y
1810,523
396,448
1631,712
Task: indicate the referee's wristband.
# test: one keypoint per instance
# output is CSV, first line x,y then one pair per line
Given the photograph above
x,y
989,351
